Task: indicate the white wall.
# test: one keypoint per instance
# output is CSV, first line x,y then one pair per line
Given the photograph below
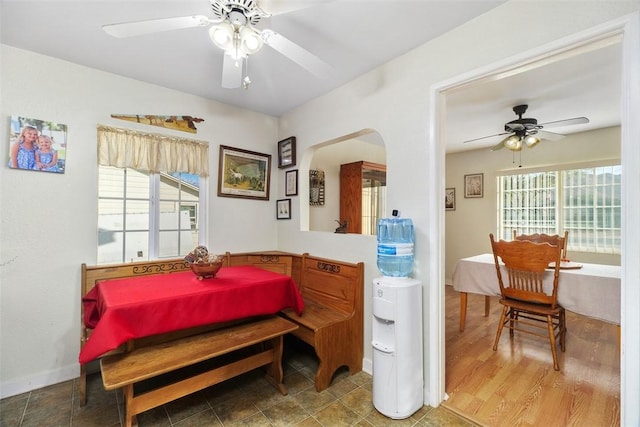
x,y
394,101
468,227
49,221
40,307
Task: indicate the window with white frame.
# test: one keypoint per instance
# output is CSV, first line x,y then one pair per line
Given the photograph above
x,y
144,213
585,202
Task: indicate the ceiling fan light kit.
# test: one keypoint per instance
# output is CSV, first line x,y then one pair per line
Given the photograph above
x,y
527,132
234,32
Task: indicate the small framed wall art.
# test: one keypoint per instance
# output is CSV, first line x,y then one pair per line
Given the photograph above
x,y
283,209
450,199
287,152
291,183
473,185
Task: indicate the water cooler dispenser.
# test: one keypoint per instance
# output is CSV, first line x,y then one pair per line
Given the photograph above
x,y
397,324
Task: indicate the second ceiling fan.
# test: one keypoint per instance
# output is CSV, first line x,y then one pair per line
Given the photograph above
x,y
235,31
527,132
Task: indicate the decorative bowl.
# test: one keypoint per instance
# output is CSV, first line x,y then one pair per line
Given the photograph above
x,y
206,270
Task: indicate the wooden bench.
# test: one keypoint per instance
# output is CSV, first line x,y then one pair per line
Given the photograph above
x,y
332,321
90,275
131,368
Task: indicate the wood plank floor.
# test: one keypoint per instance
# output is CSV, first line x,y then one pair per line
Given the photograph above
x,y
517,385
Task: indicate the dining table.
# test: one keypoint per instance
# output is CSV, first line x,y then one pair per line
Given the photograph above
x,y
124,309
591,290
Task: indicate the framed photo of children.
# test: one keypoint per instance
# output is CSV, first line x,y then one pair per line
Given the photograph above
x,y
37,145
473,185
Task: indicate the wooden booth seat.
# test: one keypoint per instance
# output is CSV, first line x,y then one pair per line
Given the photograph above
x,y
332,321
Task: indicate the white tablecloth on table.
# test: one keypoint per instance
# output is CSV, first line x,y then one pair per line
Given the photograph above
x,y
593,290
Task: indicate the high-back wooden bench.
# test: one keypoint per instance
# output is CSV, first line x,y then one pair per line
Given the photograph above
x,y
332,320
278,262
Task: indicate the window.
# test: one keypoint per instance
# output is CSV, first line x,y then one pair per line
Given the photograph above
x,y
146,216
586,202
149,200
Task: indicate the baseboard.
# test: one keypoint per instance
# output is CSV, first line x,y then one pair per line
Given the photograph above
x,y
367,366
42,379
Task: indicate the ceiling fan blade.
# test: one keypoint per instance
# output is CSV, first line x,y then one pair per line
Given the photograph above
x,y
137,28
231,72
485,137
498,146
277,7
550,136
567,122
297,54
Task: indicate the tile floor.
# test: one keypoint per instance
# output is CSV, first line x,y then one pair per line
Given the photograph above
x,y
248,400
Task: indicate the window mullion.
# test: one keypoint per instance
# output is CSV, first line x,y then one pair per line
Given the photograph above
x,y
154,215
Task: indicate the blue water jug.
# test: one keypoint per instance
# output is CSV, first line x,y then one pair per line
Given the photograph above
x,y
395,246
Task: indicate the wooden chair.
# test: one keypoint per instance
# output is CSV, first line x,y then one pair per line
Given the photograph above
x,y
548,238
528,306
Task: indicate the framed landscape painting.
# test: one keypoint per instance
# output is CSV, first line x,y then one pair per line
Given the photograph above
x,y
243,173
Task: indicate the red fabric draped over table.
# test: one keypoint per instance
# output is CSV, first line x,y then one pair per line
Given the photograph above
x,y
123,309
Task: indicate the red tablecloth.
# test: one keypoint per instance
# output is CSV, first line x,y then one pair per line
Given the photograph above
x,y
123,309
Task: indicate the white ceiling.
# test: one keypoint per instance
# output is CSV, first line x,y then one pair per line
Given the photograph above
x,y
353,36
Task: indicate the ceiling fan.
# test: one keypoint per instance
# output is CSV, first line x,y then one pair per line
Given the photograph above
x,y
528,132
234,30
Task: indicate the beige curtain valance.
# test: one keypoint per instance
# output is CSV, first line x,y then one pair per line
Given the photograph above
x,y
151,152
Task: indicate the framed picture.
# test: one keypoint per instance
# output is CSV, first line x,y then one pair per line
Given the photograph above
x,y
37,145
243,173
291,183
283,209
473,185
450,199
287,152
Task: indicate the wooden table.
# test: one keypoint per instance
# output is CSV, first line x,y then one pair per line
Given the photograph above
x,y
593,290
124,309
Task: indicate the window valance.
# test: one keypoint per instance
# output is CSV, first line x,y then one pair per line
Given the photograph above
x,y
151,152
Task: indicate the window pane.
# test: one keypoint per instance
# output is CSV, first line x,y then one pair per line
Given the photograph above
x,y
137,215
110,246
136,246
111,182
528,204
175,243
137,185
111,214
592,208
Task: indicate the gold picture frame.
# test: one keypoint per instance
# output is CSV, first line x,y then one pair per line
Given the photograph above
x,y
243,173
